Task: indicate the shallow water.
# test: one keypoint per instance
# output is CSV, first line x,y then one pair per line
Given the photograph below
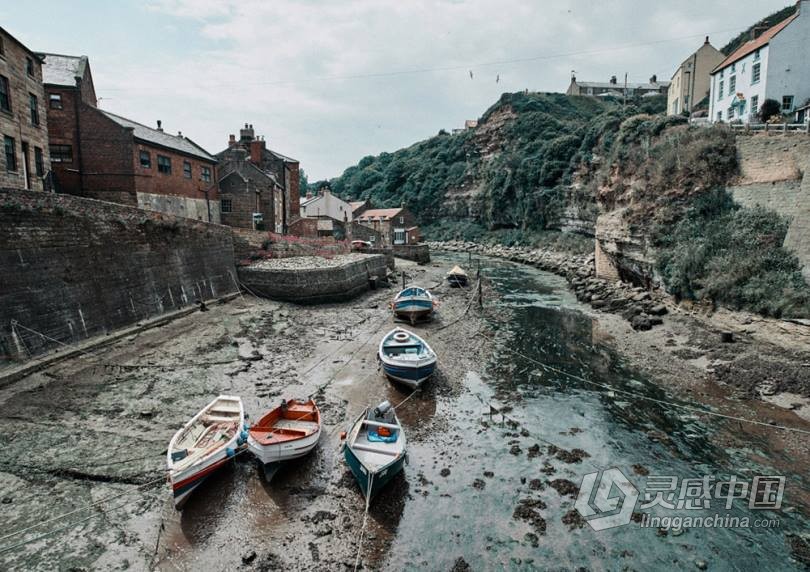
x,y
446,517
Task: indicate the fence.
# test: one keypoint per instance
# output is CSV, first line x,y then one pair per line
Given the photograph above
x,y
771,127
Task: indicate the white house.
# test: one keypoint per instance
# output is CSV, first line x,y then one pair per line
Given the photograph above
x,y
326,205
774,65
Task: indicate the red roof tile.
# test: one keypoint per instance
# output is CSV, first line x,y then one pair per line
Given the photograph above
x,y
753,45
379,214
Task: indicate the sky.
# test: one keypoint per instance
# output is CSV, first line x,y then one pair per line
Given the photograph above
x,y
329,82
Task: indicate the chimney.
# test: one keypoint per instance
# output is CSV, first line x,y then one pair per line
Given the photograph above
x,y
309,195
256,151
756,31
159,125
179,133
613,79
707,40
653,78
231,140
246,134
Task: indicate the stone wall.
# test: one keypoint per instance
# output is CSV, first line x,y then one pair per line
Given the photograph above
x,y
419,253
774,174
198,209
316,285
75,267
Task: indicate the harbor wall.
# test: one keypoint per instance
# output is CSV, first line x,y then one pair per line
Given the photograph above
x,y
419,253
316,285
74,267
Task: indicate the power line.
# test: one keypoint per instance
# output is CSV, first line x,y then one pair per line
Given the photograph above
x,y
465,67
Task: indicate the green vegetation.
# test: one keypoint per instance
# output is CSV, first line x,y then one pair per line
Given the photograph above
x,y
733,256
762,25
770,108
517,174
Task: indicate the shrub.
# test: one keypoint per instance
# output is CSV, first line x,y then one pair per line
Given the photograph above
x,y
733,256
770,108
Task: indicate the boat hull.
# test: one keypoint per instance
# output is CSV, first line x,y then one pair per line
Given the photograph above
x,y
413,309
379,478
187,481
411,376
457,281
271,457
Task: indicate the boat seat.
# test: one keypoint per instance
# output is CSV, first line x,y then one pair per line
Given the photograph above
x,y
381,451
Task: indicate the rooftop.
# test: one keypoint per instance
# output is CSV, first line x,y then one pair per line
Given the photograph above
x,y
161,138
379,214
58,69
755,44
620,84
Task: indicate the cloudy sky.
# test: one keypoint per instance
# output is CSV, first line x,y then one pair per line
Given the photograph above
x,y
329,82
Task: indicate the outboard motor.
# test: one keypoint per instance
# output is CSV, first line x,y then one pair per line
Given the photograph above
x,y
384,411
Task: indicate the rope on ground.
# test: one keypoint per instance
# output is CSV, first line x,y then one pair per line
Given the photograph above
x,y
666,403
466,310
369,484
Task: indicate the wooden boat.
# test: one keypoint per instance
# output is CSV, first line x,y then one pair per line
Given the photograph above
x,y
457,277
287,432
375,448
406,357
205,444
412,304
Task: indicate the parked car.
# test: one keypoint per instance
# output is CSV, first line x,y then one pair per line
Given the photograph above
x,y
361,245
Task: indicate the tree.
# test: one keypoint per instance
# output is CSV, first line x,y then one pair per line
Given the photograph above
x,y
303,183
770,107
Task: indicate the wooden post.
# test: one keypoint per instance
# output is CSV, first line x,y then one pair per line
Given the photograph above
x,y
403,280
480,289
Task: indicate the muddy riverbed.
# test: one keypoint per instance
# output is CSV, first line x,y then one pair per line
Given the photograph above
x,y
481,491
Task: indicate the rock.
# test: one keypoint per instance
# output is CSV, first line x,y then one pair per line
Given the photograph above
x,y
564,487
515,450
534,451
658,310
701,564
249,557
7,500
727,337
640,323
489,474
641,296
445,472
536,485
460,565
479,484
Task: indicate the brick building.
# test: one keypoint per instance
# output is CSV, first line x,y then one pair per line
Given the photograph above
x,y
397,225
25,162
283,170
104,156
248,196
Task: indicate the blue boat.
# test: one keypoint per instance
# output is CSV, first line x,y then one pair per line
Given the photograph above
x,y
406,358
412,304
375,448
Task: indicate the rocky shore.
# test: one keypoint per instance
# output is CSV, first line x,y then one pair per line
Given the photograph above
x,y
641,307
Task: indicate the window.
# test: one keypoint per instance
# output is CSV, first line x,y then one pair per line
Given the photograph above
x,y
206,174
755,74
731,113
754,104
733,68
721,73
686,102
29,66
39,162
719,116
787,103
5,95
186,169
756,56
164,165
34,104
61,154
11,155
146,159
55,101
402,220
226,206
720,91
399,236
732,84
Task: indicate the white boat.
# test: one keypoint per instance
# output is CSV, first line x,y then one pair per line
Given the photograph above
x,y
205,444
406,357
287,432
375,448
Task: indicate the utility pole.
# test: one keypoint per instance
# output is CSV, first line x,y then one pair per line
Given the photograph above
x,y
624,101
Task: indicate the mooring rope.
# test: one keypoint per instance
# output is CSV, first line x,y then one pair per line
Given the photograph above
x,y
369,484
691,408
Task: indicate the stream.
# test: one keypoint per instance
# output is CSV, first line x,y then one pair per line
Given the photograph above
x,y
462,502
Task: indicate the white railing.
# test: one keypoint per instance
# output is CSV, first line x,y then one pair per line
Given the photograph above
x,y
771,127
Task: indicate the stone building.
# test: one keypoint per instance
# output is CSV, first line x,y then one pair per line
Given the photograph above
x,y
102,155
326,205
397,226
25,161
282,169
249,197
358,207
616,88
690,82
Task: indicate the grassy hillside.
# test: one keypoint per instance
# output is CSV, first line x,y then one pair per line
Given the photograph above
x,y
509,173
